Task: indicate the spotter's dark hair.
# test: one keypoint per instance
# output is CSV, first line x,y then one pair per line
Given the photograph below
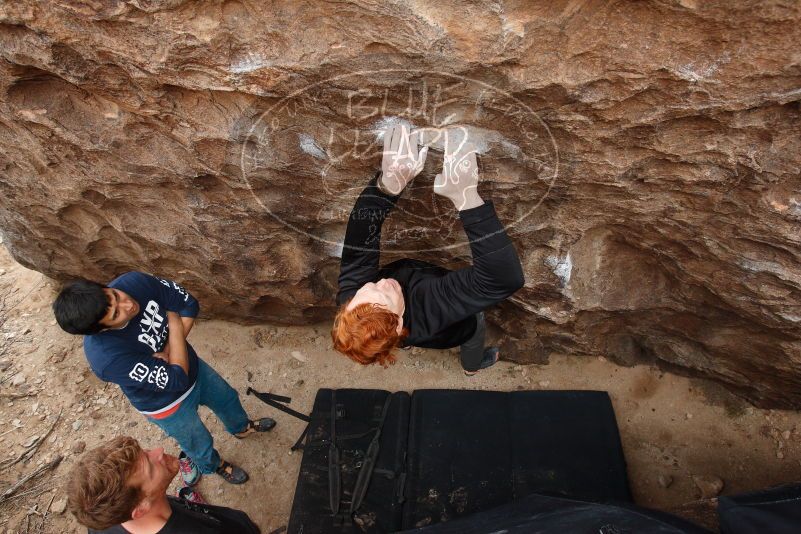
x,y
79,307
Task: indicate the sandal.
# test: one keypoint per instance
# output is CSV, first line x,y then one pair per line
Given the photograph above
x,y
231,473
491,356
265,424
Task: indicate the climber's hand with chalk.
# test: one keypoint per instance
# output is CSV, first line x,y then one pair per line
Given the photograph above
x,y
402,160
458,180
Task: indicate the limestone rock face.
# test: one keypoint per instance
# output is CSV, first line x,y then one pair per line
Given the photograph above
x,y
645,156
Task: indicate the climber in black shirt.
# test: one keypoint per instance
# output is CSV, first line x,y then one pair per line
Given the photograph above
x,y
119,488
411,302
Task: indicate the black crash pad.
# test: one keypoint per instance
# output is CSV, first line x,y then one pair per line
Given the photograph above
x,y
359,412
475,450
557,515
446,454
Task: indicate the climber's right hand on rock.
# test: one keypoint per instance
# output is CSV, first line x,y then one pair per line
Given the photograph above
x,y
401,160
458,180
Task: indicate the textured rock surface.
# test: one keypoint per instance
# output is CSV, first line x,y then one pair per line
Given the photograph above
x,y
645,155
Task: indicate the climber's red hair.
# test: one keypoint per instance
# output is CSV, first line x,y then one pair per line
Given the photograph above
x,y
367,333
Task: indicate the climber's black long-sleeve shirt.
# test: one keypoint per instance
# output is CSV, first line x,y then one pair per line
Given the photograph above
x,y
440,304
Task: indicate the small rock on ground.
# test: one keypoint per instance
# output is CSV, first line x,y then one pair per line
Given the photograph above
x,y
59,506
709,485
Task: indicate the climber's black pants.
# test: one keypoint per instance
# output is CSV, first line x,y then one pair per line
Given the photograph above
x,y
471,351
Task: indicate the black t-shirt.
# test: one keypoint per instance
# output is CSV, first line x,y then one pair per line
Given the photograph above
x,y
191,518
440,304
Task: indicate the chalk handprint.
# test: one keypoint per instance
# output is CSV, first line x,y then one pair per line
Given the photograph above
x,y
458,180
401,160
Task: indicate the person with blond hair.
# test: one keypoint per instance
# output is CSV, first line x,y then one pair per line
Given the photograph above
x,y
120,488
414,303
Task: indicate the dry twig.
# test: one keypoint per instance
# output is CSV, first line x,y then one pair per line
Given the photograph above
x,y
31,290
35,491
10,431
46,513
33,474
28,453
15,396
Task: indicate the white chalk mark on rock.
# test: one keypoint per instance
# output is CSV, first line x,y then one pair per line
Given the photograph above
x,y
562,268
250,63
693,73
384,123
310,146
335,250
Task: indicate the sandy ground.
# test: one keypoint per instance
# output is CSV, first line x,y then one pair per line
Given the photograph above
x,y
670,426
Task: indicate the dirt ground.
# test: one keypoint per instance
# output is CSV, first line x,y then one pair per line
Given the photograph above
x,y
672,427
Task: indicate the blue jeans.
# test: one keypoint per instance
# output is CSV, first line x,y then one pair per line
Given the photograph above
x,y
185,426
